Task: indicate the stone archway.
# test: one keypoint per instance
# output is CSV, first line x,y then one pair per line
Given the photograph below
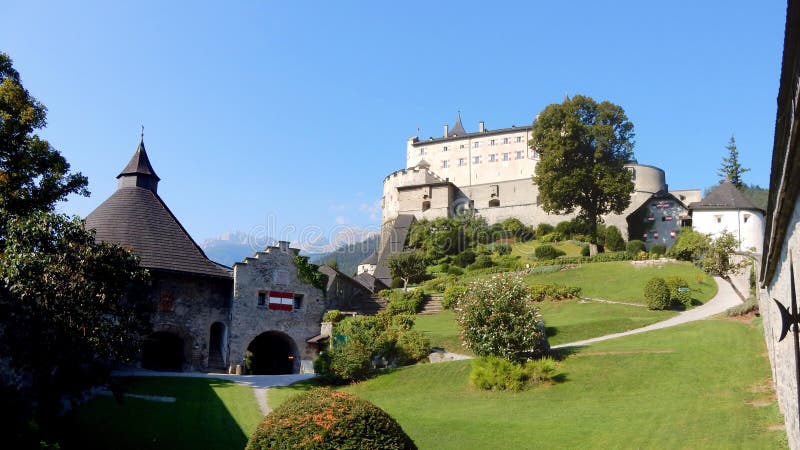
x,y
164,351
273,353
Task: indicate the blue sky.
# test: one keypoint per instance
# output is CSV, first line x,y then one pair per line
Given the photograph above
x,y
284,116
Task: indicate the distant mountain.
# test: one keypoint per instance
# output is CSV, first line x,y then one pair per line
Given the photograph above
x,y
348,256
232,247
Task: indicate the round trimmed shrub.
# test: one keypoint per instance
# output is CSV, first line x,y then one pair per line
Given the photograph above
x,y
634,246
327,419
657,294
679,290
545,252
658,250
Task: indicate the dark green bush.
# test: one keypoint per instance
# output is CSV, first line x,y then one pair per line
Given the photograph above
x,y
634,246
585,250
464,258
614,241
494,373
502,249
452,294
455,270
548,238
403,321
412,346
350,362
546,251
542,292
509,261
657,294
340,421
543,229
678,295
482,262
658,250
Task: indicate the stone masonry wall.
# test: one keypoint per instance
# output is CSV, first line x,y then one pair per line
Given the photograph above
x,y
187,306
273,270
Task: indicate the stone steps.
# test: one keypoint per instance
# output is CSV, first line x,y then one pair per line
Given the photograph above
x,y
433,305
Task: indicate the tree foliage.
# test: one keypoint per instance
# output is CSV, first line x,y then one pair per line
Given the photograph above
x,y
408,266
33,175
730,169
584,146
717,258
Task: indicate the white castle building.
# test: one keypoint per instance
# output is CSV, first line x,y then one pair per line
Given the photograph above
x,y
490,172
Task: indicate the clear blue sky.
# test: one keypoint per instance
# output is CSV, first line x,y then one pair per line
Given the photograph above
x,y
289,114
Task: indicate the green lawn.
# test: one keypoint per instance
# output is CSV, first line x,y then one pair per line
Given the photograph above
x,y
526,249
566,321
621,281
207,414
700,385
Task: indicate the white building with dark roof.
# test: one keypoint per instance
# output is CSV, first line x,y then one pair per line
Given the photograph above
x,y
727,209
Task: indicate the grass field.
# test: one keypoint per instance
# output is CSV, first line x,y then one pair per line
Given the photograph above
x,y
207,414
621,281
566,321
700,385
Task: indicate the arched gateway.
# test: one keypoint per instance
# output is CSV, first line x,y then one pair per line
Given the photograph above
x,y
273,353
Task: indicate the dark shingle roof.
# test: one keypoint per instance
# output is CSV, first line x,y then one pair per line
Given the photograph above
x,y
725,196
139,164
458,129
137,218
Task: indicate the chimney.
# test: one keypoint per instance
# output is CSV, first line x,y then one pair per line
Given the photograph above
x,y
481,127
446,130
283,245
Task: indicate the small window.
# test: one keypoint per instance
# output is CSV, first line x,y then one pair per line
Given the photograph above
x,y
535,154
505,140
426,205
519,138
492,157
422,151
476,160
462,161
461,147
633,173
494,203
718,218
519,155
491,142
476,144
506,156
298,301
445,164
262,299
745,217
444,149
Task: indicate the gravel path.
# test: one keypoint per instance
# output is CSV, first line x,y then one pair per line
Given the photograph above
x,y
726,297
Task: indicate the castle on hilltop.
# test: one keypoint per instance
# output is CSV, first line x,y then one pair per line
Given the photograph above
x,y
490,172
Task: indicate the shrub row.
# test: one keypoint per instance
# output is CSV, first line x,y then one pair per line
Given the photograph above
x,y
542,292
494,373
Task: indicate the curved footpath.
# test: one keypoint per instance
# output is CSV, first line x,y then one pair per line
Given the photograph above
x,y
726,297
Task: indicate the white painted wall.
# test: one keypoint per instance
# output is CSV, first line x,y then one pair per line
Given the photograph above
x,y
746,225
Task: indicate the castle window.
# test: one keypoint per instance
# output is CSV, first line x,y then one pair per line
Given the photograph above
x,y
534,154
492,157
494,203
262,298
745,217
476,159
476,144
519,138
421,151
445,164
462,161
298,301
167,302
506,156
444,149
519,155
491,142
426,205
462,147
633,172
505,140
719,218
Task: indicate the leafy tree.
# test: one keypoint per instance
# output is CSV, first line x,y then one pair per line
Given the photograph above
x,y
584,146
730,169
499,317
717,258
690,245
408,266
613,239
33,175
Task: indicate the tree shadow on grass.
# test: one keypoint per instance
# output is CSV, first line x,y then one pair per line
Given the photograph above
x,y
551,331
197,419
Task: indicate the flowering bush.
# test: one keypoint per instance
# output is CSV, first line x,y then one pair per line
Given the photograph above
x,y
499,317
